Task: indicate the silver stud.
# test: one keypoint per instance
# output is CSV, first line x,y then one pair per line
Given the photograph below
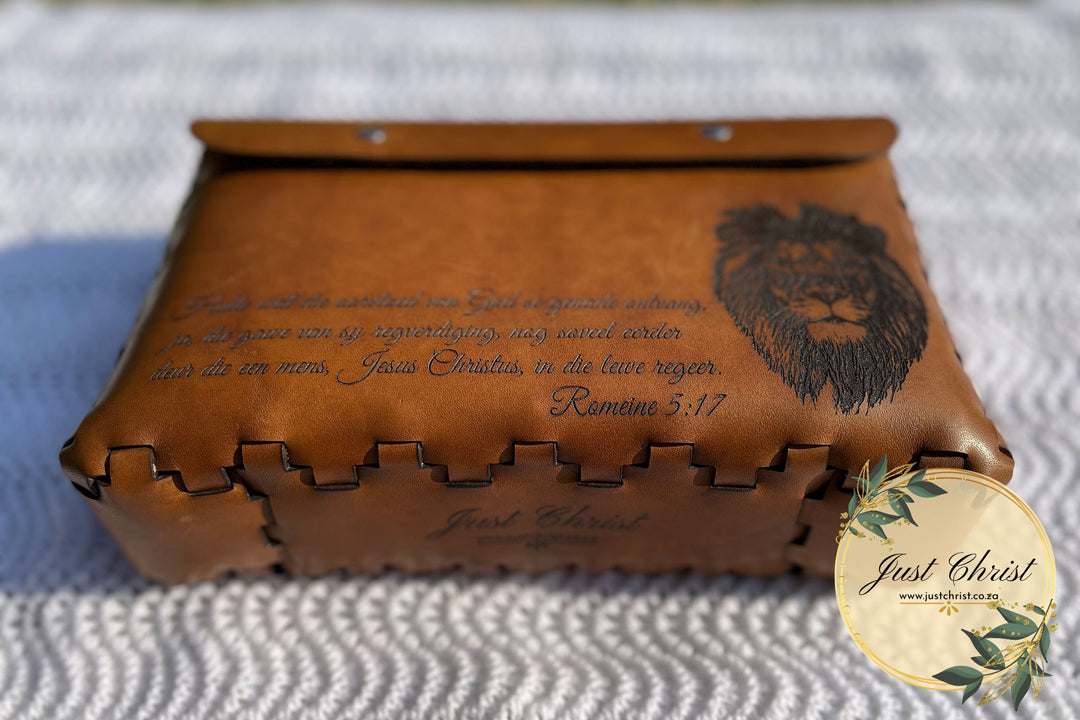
x,y
374,135
719,133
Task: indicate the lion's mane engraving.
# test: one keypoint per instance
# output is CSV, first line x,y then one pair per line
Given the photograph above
x,y
821,302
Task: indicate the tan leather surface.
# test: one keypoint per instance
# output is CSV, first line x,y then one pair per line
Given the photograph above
x,y
432,469
696,141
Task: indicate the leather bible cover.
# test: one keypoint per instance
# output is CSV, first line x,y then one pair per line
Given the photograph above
x,y
427,346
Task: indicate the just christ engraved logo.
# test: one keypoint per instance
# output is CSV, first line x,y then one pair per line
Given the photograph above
x,y
821,302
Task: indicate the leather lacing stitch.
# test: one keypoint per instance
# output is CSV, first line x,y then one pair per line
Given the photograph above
x,y
827,492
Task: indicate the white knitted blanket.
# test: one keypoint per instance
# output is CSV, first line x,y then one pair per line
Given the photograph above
x,y
94,161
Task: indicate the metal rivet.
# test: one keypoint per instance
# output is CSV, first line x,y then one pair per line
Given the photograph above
x,y
375,135
719,133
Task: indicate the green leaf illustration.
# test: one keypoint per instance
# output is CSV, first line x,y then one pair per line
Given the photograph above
x,y
876,529
987,663
1011,631
898,501
1013,617
872,520
1015,676
1021,685
971,689
878,473
924,488
877,518
1038,609
917,477
864,484
984,647
959,675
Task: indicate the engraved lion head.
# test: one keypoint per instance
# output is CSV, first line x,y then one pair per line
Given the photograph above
x,y
821,302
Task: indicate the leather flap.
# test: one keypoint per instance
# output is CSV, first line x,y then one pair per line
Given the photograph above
x,y
757,142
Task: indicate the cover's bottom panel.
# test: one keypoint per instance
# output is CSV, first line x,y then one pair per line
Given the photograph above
x,y
534,514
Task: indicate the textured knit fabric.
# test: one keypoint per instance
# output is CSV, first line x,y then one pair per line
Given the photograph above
x,y
95,159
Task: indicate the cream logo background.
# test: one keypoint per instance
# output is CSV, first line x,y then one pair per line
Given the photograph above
x,y
945,579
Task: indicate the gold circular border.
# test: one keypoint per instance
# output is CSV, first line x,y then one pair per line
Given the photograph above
x,y
950,474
